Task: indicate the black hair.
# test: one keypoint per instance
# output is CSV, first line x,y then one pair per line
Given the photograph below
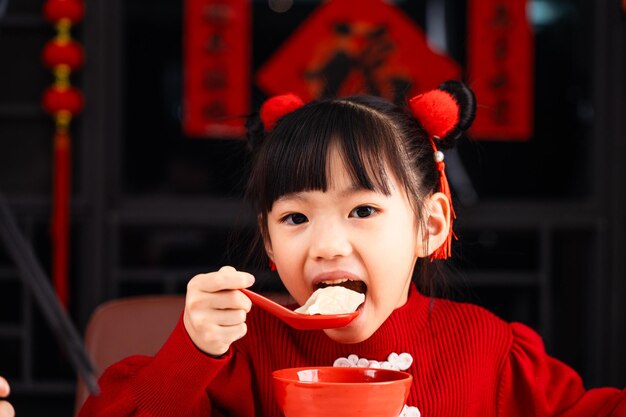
x,y
372,134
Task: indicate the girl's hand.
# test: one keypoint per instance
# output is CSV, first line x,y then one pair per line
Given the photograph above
x,y
215,309
6,409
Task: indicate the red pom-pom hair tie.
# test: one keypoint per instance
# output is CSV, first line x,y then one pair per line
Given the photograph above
x,y
276,107
438,112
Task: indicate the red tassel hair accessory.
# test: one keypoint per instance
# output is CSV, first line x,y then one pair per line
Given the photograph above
x,y
278,106
439,113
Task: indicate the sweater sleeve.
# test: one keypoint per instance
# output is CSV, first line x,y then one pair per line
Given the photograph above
x,y
172,383
534,384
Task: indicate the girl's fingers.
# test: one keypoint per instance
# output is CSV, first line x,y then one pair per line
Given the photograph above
x,y
227,278
215,309
227,318
230,300
199,302
216,340
213,331
6,409
235,332
4,388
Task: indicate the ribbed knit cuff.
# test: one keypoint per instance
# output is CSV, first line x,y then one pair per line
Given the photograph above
x,y
178,374
620,409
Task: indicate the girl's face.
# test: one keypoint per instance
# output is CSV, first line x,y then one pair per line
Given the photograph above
x,y
347,233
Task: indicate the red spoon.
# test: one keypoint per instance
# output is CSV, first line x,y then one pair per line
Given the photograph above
x,y
298,320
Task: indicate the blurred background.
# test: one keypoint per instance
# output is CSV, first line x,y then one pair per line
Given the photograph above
x,y
540,191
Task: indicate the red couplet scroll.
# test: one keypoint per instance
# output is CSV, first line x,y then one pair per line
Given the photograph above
x,y
500,69
217,62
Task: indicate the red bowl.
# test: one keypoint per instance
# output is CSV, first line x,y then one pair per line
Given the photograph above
x,y
341,392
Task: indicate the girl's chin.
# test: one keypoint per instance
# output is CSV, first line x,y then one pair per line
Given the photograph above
x,y
348,335
355,332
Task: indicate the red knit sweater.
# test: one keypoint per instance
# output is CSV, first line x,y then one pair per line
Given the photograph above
x,y
466,362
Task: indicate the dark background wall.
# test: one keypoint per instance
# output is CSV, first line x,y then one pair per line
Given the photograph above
x,y
543,243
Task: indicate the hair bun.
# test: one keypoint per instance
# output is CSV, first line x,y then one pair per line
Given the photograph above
x,y
276,107
445,112
467,102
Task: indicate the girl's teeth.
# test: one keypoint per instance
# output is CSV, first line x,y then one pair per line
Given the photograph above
x,y
358,286
336,281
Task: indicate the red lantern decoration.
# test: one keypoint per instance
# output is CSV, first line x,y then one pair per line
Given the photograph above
x,y
62,55
68,53
57,100
56,10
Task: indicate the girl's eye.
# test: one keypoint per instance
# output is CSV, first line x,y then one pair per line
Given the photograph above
x,y
295,218
362,211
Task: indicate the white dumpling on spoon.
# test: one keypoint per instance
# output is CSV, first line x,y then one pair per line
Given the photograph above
x,y
332,300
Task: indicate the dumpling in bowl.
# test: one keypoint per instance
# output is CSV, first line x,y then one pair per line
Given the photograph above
x,y
332,300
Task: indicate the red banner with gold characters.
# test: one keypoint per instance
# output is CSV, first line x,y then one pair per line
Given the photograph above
x,y
217,61
500,69
356,46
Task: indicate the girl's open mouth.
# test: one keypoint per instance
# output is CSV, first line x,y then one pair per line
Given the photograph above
x,y
358,286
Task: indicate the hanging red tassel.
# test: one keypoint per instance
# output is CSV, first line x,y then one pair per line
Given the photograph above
x,y
438,113
445,250
62,55
61,215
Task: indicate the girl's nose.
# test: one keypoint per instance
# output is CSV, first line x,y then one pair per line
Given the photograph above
x,y
329,240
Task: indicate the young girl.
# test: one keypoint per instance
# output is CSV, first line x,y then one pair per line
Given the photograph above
x,y
350,191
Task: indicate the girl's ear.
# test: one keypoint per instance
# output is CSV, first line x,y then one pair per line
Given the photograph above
x,y
267,244
268,249
437,224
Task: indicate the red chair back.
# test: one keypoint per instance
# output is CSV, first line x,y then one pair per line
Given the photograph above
x,y
128,326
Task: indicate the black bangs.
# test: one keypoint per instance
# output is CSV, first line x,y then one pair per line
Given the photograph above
x,y
295,155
